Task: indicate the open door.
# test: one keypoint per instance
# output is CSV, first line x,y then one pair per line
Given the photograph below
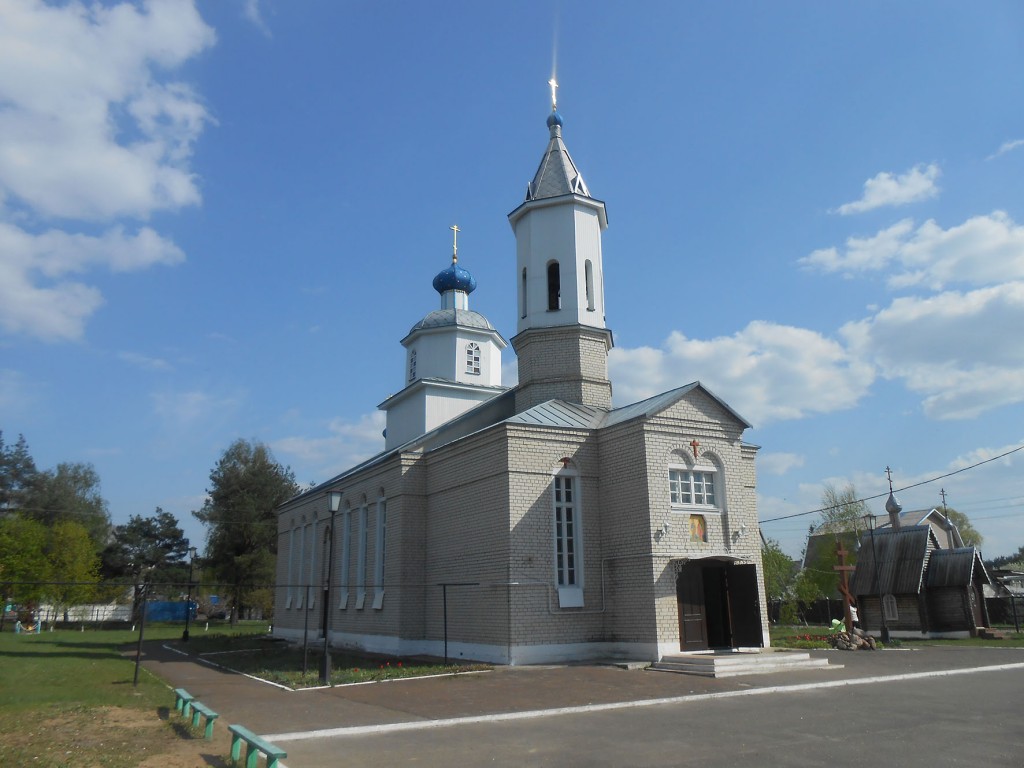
x,y
718,606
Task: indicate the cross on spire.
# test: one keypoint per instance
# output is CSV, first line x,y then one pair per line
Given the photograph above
x,y
554,86
455,242
888,473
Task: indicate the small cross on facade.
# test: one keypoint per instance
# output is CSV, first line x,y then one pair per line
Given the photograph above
x,y
694,444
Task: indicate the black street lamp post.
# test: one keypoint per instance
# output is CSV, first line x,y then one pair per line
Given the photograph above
x,y
334,501
188,600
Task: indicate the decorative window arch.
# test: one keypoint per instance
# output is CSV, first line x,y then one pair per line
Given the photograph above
x,y
567,529
695,482
554,286
473,358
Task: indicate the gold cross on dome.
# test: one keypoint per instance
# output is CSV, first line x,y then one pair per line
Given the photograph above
x,y
455,241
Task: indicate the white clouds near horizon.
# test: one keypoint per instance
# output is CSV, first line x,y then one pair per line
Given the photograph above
x,y
984,250
91,132
888,189
767,372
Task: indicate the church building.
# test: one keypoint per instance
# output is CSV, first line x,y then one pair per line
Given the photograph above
x,y
536,523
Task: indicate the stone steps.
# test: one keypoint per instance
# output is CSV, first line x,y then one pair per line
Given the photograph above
x,y
735,664
990,634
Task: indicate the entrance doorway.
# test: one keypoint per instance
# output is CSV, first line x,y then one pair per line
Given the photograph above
x,y
718,606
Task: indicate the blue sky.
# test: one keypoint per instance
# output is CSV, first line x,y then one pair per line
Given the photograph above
x,y
218,219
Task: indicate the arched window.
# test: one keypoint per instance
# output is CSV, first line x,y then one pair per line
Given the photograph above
x,y
346,556
380,549
589,268
473,358
554,286
522,294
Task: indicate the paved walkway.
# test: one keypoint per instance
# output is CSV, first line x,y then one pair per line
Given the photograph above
x,y
513,691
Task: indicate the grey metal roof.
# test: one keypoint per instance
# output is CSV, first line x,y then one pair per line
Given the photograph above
x,y
902,557
441,318
557,174
657,403
956,568
557,413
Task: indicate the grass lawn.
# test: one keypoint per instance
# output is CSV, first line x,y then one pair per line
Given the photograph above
x,y
295,668
67,697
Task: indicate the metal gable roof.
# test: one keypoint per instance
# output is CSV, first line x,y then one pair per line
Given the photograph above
x,y
902,557
956,568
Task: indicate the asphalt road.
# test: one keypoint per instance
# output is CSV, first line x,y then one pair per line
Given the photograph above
x,y
935,707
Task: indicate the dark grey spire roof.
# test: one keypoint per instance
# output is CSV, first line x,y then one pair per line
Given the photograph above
x,y
557,174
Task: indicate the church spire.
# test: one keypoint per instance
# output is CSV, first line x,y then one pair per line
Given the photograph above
x,y
562,343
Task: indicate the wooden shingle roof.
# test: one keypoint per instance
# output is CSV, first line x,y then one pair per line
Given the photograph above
x,y
902,558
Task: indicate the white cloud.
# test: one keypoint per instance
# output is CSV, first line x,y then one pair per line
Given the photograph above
x,y
767,372
960,351
183,411
144,361
346,444
252,12
1006,146
36,297
91,130
778,463
889,189
984,250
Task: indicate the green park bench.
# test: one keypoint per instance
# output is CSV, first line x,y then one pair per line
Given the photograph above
x,y
200,709
183,701
255,745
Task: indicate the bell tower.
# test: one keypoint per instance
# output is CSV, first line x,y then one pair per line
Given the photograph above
x,y
561,342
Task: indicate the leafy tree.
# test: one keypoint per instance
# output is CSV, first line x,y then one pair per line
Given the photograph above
x,y
246,487
70,492
22,559
778,570
842,509
968,532
153,545
74,565
17,473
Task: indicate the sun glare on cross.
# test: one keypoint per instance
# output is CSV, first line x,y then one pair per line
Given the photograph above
x,y
554,86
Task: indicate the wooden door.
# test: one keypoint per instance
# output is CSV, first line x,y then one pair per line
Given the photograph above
x,y
693,630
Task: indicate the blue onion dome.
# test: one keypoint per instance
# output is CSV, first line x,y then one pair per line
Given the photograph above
x,y
554,119
455,278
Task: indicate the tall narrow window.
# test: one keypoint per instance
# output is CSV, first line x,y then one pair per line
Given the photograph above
x,y
301,587
889,609
380,551
568,553
346,557
291,565
554,286
473,358
361,560
311,576
522,294
412,365
589,269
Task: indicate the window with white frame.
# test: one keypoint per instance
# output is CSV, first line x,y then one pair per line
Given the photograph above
x,y
568,539
346,557
473,358
692,487
379,553
361,560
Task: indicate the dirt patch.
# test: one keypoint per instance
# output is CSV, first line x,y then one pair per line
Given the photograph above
x,y
112,737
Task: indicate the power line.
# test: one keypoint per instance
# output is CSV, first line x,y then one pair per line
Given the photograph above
x,y
897,490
